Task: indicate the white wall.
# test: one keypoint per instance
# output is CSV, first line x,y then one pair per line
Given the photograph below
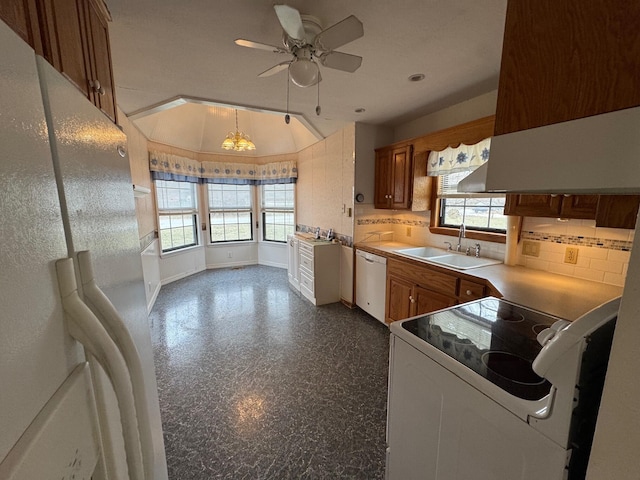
x,y
151,272
477,107
182,263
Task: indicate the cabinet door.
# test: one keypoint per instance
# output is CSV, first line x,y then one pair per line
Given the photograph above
x,y
617,211
64,45
579,206
16,14
101,83
426,301
382,193
399,295
568,59
402,165
533,205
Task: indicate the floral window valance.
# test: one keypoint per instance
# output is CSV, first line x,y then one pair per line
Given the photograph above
x,y
165,166
463,158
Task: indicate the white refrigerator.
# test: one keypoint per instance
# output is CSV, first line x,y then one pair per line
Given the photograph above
x,y
64,188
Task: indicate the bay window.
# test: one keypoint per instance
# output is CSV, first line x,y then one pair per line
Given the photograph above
x,y
177,214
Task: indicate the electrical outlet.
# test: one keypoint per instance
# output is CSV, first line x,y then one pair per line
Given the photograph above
x,y
571,255
229,255
408,231
531,249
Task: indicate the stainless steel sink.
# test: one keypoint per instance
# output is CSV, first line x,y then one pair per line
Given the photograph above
x,y
422,252
463,262
440,256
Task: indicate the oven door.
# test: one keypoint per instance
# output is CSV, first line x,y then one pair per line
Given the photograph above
x,y
441,427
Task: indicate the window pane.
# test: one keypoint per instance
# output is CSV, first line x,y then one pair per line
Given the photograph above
x,y
475,211
230,212
278,204
176,230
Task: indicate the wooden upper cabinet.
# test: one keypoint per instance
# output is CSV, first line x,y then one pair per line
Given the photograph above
x,y
563,206
567,59
381,197
73,36
401,162
17,14
62,30
533,205
579,206
613,211
394,177
99,56
617,211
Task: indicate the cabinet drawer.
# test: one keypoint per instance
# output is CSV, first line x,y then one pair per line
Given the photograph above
x,y
424,276
306,281
307,262
306,249
470,291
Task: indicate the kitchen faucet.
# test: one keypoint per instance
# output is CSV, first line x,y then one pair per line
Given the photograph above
x,y
461,235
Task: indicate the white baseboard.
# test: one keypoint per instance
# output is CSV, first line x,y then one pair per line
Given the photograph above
x,y
152,300
230,264
274,264
166,281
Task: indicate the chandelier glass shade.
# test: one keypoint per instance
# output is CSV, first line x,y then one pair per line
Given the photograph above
x,y
238,141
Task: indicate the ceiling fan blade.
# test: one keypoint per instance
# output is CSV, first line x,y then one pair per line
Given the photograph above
x,y
340,34
341,61
260,46
275,69
290,20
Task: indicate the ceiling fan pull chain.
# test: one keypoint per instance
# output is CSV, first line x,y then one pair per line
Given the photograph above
x,y
318,110
287,118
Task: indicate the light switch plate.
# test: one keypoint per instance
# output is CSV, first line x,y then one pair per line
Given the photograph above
x,y
531,249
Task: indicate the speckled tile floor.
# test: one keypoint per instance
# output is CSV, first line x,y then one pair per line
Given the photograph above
x,y
257,383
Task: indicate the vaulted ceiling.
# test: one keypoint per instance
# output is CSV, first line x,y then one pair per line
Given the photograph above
x,y
164,50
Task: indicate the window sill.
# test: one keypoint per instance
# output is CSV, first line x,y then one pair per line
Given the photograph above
x,y
173,253
474,235
232,243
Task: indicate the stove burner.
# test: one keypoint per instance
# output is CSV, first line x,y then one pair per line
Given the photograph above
x,y
506,314
538,328
511,367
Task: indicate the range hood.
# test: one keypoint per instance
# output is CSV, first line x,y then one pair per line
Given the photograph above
x,y
598,154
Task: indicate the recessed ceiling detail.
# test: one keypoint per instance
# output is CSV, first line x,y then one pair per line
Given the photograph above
x,y
199,126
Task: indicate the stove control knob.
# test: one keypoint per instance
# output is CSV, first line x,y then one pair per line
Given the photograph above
x,y
545,335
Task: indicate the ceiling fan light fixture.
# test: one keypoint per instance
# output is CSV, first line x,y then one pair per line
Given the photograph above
x,y
304,72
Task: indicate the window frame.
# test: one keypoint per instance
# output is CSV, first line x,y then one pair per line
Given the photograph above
x,y
169,212
264,211
435,227
211,209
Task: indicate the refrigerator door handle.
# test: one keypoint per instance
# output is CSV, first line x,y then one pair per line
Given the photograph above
x,y
87,329
110,319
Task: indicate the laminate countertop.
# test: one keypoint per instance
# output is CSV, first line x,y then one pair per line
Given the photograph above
x,y
559,295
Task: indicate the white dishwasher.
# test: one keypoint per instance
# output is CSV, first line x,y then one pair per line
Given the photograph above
x,y
371,279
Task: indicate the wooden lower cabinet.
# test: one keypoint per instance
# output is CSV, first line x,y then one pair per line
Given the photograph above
x,y
426,301
415,288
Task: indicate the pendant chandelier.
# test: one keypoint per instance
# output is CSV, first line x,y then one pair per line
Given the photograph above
x,y
238,141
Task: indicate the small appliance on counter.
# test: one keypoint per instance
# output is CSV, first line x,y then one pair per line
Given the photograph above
x,y
493,390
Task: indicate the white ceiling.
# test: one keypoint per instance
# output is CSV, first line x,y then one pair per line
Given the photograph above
x,y
164,49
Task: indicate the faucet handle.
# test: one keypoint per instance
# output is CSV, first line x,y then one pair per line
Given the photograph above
x,y
449,245
477,249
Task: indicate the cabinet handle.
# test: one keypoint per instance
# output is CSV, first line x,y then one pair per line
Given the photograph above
x,y
413,300
97,87
469,292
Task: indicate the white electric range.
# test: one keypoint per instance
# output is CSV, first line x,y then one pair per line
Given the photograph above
x,y
491,390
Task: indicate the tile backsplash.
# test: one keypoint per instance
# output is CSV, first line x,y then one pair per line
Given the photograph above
x,y
603,253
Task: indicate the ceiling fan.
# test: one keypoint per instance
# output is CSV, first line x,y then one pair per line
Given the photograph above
x,y
304,39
